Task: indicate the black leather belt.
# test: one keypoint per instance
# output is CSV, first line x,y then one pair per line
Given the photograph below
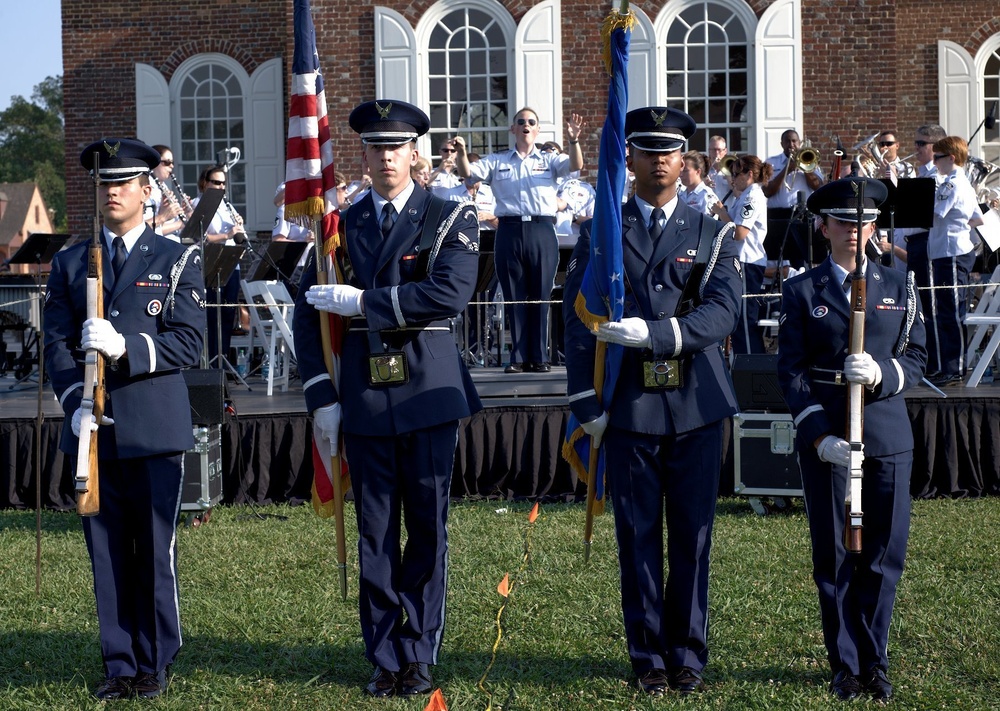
x,y
828,376
517,219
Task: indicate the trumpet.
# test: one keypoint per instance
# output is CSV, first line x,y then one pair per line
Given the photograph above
x,y
807,159
726,163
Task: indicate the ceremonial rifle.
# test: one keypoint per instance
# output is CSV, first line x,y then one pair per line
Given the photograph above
x,y
88,502
856,391
332,367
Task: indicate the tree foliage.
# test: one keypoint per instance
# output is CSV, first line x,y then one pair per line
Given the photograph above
x,y
32,148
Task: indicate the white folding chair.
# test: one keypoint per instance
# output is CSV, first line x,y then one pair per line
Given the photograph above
x,y
984,317
270,318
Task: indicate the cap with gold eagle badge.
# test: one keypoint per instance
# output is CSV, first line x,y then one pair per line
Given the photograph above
x,y
388,122
658,129
119,159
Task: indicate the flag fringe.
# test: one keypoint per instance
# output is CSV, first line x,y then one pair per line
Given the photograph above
x,y
310,208
614,21
577,465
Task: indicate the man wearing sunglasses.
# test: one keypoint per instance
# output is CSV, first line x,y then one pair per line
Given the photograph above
x,y
444,177
524,182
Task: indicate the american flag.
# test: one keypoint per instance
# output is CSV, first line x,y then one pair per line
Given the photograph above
x,y
310,192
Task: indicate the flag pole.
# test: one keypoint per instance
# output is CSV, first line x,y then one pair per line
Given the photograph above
x,y
335,466
588,526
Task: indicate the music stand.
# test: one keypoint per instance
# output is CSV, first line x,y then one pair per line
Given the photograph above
x,y
38,249
278,261
219,262
913,200
204,211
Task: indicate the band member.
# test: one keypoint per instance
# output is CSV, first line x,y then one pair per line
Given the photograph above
x,y
717,150
168,208
153,325
524,182
403,388
697,193
664,437
789,187
856,590
750,211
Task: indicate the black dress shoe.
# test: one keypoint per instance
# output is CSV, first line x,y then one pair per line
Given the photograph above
x,y
149,685
415,679
944,379
382,684
114,687
654,682
514,368
877,684
538,367
845,686
686,681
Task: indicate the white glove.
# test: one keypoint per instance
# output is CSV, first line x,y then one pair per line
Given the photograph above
x,y
631,332
836,451
862,368
595,428
326,426
99,334
78,421
341,299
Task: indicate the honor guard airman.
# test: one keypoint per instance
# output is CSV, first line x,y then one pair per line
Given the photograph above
x,y
856,590
411,262
663,433
153,326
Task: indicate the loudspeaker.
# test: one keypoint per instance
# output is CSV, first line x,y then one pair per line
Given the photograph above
x,y
206,391
755,377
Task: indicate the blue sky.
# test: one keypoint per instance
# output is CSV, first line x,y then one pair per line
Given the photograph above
x,y
30,46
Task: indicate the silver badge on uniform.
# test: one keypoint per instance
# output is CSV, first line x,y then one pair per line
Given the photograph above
x,y
154,307
820,312
155,277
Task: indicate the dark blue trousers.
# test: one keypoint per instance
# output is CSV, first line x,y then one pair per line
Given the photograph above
x,y
857,591
404,479
133,551
748,338
672,478
526,257
946,322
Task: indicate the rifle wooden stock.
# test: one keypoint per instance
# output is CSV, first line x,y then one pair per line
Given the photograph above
x,y
856,392
88,500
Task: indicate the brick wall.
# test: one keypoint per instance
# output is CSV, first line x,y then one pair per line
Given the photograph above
x,y
867,65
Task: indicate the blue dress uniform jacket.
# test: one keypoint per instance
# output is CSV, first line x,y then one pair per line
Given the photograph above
x,y
399,440
146,393
856,591
655,278
157,304
401,305
664,447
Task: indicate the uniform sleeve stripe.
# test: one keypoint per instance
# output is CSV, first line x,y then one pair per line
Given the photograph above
x,y
69,391
152,351
899,373
808,411
317,379
678,339
395,307
581,396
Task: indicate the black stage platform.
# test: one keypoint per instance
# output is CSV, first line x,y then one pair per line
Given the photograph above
x,y
509,450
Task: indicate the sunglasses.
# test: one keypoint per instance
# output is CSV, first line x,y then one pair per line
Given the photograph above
x,y
939,156
447,150
923,143
217,182
530,122
886,144
167,163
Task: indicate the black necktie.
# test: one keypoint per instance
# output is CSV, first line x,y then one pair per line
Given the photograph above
x,y
388,212
655,230
119,256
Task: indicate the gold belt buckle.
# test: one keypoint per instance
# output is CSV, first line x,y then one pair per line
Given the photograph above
x,y
661,374
388,369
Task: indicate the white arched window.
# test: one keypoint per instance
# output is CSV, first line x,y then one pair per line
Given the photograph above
x,y
209,91
707,67
990,137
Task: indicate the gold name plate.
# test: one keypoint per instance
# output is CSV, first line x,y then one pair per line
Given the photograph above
x,y
388,369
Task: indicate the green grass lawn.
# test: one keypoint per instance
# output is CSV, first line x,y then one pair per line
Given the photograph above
x,y
265,628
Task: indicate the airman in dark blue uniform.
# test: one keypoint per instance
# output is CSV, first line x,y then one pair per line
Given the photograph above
x,y
856,590
153,327
402,390
663,437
